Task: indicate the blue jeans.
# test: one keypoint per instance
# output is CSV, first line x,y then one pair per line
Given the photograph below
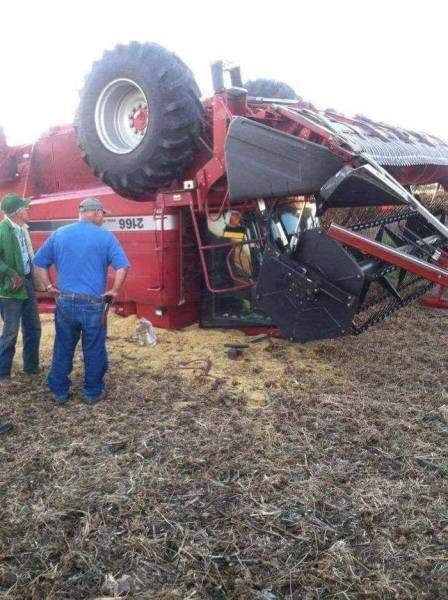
x,y
15,313
76,318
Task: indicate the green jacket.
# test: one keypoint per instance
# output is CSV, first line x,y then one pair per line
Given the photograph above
x,y
10,262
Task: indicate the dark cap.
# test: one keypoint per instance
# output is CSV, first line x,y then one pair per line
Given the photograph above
x,y
11,203
92,204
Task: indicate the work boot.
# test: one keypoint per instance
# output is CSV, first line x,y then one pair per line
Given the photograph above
x,y
90,400
6,427
61,399
37,371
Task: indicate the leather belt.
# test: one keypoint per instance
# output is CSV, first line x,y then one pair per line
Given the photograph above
x,y
69,296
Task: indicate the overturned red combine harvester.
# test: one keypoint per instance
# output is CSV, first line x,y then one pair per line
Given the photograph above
x,y
248,209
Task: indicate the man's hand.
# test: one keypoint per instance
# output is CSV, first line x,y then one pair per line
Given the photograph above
x,y
112,293
17,281
44,277
52,289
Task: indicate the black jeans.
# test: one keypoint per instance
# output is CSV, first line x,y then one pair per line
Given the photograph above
x,y
15,313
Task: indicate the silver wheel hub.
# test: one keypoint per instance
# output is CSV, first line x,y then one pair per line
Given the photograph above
x,y
121,116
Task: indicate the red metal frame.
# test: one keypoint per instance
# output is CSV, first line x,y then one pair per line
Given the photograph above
x,y
203,248
327,138
390,255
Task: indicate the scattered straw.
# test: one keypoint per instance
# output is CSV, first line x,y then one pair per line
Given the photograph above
x,y
301,472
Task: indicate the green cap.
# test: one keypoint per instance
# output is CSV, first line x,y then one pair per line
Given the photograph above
x,y
11,203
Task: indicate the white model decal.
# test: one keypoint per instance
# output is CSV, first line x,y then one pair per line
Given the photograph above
x,y
125,223
140,223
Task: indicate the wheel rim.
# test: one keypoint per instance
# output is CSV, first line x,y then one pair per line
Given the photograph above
x,y
122,116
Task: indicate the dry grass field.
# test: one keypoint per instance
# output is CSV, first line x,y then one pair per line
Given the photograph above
x,y
310,471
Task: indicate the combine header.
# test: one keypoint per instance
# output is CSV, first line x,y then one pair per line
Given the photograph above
x,y
248,209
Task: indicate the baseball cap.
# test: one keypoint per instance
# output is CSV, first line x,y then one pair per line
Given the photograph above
x,y
11,203
91,204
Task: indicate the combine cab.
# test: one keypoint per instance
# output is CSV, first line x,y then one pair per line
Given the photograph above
x,y
249,209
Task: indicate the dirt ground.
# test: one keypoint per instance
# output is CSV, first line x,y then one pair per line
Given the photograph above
x,y
298,471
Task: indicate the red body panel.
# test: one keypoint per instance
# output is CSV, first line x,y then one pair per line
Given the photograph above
x,y
160,285
156,280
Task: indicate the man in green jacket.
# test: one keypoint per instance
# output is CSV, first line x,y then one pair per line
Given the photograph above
x,y
18,305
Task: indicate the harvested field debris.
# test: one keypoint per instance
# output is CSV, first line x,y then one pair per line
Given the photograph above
x,y
294,471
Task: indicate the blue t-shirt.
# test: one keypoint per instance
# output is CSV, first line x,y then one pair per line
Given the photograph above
x,y
82,253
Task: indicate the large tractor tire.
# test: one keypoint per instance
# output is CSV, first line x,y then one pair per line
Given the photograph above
x,y
270,88
139,118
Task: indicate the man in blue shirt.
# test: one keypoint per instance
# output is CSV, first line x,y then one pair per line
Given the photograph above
x,y
81,253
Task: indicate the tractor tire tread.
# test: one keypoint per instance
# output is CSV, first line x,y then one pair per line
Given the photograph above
x,y
176,133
